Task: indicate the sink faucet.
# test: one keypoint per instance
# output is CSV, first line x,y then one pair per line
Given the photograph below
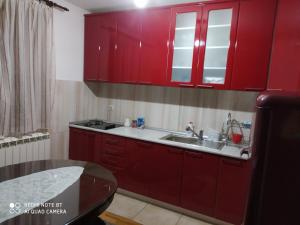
x,y
191,128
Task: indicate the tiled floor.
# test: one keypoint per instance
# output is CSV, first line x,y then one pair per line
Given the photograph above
x,y
148,214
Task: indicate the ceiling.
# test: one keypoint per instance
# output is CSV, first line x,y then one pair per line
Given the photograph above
x,y
107,5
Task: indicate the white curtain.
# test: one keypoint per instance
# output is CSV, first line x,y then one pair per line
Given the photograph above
x,y
27,71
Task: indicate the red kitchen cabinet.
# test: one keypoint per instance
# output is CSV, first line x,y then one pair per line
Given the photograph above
x,y
166,173
183,47
99,51
217,43
232,191
285,67
98,148
114,156
199,182
127,47
138,170
155,30
106,37
253,45
81,145
202,49
91,48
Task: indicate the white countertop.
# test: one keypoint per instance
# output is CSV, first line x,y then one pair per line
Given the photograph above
x,y
155,135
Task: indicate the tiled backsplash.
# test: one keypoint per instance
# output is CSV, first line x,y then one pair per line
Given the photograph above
x,y
173,108
168,108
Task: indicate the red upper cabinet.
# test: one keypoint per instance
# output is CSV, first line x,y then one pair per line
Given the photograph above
x,y
106,38
127,47
253,45
100,31
199,182
202,45
217,43
285,66
232,191
184,45
91,48
155,34
221,45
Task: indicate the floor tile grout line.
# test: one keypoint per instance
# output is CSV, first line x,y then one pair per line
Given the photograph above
x,y
146,204
177,223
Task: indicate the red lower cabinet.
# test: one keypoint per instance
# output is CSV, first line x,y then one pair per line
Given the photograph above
x,y
81,145
166,173
208,184
199,182
233,186
137,171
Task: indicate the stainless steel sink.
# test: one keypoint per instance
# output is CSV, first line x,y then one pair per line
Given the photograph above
x,y
194,141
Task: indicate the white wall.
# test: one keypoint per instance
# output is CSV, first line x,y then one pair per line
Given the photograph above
x,y
69,40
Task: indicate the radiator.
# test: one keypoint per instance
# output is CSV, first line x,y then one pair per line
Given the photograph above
x,y
27,148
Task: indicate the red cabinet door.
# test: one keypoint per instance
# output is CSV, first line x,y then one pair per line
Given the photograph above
x,y
127,47
232,192
166,172
98,148
155,30
285,67
138,170
91,48
217,43
253,45
184,46
81,145
199,182
106,41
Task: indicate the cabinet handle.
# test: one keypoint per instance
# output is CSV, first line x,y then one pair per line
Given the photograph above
x,y
195,155
186,85
204,86
89,79
254,89
233,162
145,82
274,89
103,80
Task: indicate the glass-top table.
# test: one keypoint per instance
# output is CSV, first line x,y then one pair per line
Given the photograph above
x,y
55,192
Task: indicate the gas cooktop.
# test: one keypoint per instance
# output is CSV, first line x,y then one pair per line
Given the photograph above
x,y
98,124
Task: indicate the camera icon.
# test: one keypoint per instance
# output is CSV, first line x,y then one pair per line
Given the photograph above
x,y
14,208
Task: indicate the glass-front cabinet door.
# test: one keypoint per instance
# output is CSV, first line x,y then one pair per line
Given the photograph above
x,y
184,45
217,42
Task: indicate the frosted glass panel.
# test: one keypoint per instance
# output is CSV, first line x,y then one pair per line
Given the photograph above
x,y
182,58
217,46
184,46
218,36
186,20
185,38
220,17
181,74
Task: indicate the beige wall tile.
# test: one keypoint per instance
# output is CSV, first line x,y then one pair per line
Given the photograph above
x,y
162,107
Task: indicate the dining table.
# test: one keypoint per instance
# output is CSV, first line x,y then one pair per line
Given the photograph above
x,y
55,192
